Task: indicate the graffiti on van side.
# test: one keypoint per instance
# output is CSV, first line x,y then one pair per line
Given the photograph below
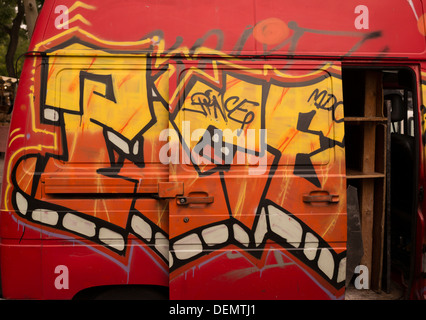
x,y
325,100
111,119
232,109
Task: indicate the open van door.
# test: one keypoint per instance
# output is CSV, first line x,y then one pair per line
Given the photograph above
x,y
406,221
261,159
420,260
384,159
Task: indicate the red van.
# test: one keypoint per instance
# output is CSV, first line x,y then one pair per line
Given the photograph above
x,y
217,149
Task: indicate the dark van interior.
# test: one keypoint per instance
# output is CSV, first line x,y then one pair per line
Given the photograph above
x,y
382,161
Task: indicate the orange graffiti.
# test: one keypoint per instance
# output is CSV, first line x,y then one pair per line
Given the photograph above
x,y
271,31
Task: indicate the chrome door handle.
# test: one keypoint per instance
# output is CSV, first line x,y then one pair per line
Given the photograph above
x,y
194,200
320,196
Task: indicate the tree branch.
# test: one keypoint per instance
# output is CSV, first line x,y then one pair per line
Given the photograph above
x,y
14,38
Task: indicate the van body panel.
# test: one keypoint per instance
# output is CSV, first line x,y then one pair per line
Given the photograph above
x,y
287,135
256,27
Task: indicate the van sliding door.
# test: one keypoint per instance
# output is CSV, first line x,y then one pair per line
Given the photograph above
x,y
261,158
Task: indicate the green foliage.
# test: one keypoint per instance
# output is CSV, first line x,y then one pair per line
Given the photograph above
x,y
22,48
8,12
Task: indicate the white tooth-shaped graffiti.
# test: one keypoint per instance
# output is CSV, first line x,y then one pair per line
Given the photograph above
x,y
118,142
170,259
215,235
326,263
136,148
240,235
188,247
225,150
261,228
111,238
22,203
215,137
285,226
270,220
78,224
341,276
50,114
311,246
162,245
45,216
142,228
